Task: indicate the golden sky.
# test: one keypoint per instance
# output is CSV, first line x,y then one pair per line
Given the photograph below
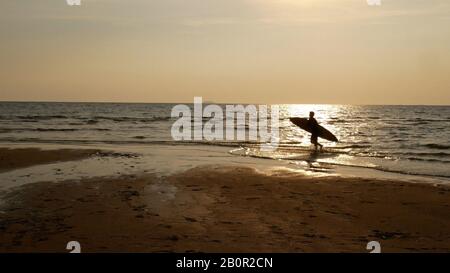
x,y
250,51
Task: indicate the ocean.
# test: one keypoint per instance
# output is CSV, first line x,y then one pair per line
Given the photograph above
x,y
412,140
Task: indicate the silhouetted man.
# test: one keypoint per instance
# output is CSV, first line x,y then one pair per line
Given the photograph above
x,y
312,123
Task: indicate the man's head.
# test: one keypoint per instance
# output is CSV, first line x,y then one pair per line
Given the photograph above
x,y
311,114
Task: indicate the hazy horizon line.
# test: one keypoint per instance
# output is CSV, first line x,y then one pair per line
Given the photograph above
x,y
214,102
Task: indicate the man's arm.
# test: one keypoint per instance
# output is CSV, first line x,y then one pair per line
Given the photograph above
x,y
313,125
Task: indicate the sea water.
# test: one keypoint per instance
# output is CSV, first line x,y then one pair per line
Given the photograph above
x,y
413,140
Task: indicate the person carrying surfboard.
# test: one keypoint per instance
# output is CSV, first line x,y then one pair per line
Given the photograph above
x,y
311,125
314,125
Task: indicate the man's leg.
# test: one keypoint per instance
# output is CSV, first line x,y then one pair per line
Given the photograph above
x,y
314,141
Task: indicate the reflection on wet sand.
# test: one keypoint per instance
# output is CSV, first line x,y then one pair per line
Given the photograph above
x,y
222,208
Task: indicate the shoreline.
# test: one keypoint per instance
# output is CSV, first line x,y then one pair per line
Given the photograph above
x,y
96,159
225,208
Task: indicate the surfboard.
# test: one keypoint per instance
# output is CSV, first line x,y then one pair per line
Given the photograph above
x,y
322,132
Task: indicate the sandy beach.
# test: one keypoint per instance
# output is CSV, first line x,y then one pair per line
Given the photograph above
x,y
219,208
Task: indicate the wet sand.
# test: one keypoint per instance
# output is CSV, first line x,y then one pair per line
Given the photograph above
x,y
11,159
226,209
